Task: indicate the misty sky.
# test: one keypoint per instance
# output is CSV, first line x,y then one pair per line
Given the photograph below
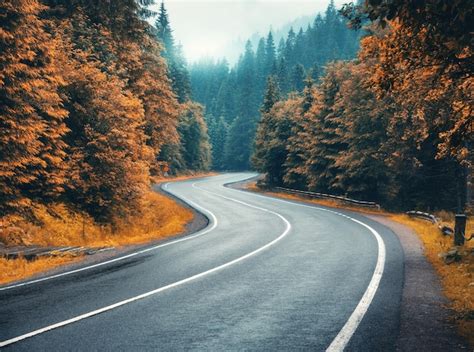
x,y
208,27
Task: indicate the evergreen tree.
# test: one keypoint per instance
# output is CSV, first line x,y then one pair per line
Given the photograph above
x,y
261,66
165,33
261,157
177,70
218,135
270,54
324,129
194,138
238,147
242,92
31,112
283,76
297,78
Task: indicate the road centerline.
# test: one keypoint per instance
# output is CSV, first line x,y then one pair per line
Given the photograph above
x,y
342,339
164,288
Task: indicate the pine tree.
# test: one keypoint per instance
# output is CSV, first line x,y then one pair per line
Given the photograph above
x,y
247,99
270,54
260,66
262,159
177,70
241,93
283,76
31,112
324,140
297,78
297,149
239,144
192,129
218,134
165,33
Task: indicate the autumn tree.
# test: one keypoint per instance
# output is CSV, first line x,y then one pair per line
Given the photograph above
x,y
323,131
297,151
31,111
428,53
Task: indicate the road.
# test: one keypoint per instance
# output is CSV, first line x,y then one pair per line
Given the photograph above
x,y
266,274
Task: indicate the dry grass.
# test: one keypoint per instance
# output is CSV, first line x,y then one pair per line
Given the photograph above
x,y
457,278
159,217
252,186
13,270
161,179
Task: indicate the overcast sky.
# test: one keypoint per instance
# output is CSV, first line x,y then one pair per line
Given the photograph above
x,y
207,27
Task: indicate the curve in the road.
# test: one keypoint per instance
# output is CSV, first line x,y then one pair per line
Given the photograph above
x,y
344,336
213,224
175,284
338,344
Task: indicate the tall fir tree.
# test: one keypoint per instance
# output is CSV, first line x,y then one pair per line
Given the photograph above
x,y
31,110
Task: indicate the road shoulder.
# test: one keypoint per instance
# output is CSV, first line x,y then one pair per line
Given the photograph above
x,y
424,320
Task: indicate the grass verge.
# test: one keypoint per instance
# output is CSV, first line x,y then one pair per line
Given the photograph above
x,y
457,278
13,270
160,217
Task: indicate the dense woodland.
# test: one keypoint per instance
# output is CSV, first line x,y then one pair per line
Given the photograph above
x,y
395,125
93,102
233,95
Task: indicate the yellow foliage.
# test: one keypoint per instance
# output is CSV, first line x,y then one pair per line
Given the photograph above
x,y
457,278
57,225
182,177
159,217
13,270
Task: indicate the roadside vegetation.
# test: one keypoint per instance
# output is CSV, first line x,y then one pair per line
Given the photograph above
x,y
56,225
457,277
393,126
95,104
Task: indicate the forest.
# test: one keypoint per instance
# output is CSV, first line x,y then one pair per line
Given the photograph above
x,y
373,101
95,102
233,95
394,125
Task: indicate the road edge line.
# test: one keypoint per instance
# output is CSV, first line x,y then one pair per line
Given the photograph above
x,y
163,288
211,226
342,339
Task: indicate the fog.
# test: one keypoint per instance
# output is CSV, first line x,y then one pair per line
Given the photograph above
x,y
219,28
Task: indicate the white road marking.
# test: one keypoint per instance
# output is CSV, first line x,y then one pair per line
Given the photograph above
x,y
161,289
343,337
187,238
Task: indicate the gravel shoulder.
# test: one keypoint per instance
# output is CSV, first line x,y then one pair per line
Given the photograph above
x,y
424,320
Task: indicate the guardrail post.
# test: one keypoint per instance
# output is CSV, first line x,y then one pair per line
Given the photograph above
x,y
460,229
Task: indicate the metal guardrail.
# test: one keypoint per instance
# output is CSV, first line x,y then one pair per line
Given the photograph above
x,y
424,216
330,196
445,230
459,232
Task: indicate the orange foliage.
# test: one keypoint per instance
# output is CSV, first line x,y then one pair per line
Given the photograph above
x,y
57,225
18,269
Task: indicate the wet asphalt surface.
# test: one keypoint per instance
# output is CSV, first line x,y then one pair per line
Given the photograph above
x,y
296,294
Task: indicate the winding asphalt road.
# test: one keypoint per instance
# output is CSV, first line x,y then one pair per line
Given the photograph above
x,y
266,274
